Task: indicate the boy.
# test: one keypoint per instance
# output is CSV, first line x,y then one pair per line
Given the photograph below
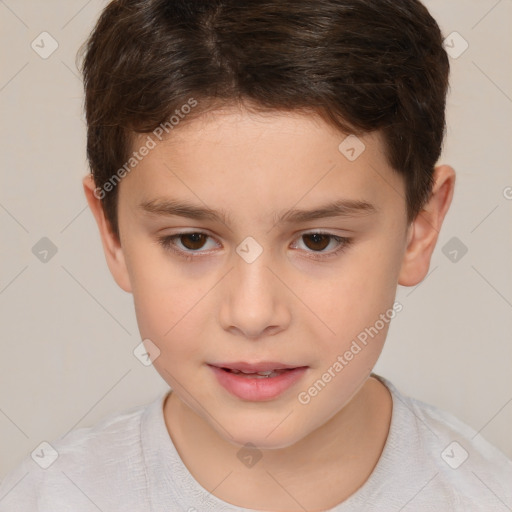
x,y
263,176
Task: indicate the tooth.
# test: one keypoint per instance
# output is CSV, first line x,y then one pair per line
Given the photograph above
x,y
257,375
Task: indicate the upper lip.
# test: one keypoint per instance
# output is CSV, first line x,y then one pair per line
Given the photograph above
x,y
263,366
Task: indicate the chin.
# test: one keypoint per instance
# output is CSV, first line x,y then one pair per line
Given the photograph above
x,y
263,438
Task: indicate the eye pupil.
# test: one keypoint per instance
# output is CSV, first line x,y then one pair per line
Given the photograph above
x,y
196,238
317,238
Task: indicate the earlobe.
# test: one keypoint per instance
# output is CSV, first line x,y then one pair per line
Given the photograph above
x,y
424,230
111,244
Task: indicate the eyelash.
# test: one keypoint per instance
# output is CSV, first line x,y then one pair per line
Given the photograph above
x,y
167,243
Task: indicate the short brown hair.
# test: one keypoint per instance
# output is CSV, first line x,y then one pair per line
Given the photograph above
x,y
362,65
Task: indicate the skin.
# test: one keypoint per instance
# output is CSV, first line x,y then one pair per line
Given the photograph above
x,y
285,306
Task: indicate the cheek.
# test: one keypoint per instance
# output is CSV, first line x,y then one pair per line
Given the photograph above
x,y
174,327
363,289
357,307
168,305
172,320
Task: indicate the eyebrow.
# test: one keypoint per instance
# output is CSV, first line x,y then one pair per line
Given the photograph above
x,y
338,208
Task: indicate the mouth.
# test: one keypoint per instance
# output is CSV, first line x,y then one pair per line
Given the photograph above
x,y
265,369
258,375
258,381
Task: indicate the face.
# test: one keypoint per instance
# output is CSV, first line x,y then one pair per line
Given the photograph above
x,y
236,258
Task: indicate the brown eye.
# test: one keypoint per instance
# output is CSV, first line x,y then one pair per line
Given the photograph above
x,y
193,241
318,241
188,245
321,246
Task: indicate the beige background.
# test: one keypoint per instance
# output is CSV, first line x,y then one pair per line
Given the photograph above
x,y
68,332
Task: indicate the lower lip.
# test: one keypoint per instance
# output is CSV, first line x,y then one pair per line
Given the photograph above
x,y
255,389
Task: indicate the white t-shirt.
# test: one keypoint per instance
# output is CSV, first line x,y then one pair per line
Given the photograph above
x,y
431,462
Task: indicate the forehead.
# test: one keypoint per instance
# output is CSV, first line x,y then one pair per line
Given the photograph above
x,y
279,157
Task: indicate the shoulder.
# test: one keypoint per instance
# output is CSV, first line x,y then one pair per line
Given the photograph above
x,y
460,463
83,467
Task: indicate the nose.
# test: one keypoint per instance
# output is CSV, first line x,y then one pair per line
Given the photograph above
x,y
254,300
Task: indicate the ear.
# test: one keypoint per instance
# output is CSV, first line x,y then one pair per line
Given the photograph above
x,y
111,244
424,230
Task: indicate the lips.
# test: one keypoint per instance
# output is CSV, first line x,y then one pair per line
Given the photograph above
x,y
262,370
264,366
257,375
257,381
